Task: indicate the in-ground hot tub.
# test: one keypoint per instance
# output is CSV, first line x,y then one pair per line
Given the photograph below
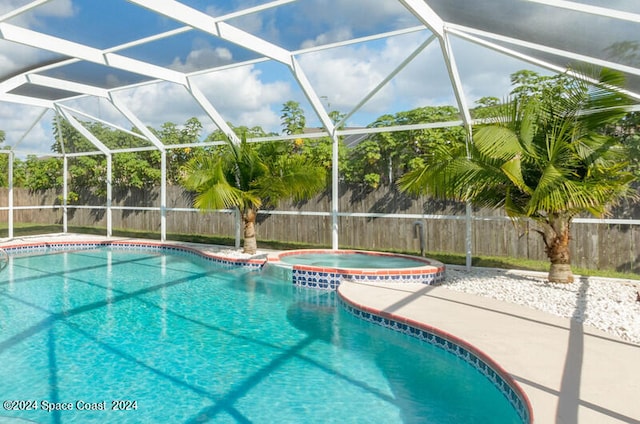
x,y
325,268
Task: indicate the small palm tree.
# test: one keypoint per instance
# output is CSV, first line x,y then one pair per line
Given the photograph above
x,y
541,157
246,177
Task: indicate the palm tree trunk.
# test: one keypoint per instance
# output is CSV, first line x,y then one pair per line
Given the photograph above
x,y
249,220
556,237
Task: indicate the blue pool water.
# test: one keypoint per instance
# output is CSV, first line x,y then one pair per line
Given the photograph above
x,y
352,260
192,342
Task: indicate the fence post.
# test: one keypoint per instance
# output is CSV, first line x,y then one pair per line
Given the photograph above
x,y
469,232
10,195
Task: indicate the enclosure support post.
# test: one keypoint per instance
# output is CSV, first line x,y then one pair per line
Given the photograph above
x,y
65,193
10,195
163,195
109,194
335,193
469,232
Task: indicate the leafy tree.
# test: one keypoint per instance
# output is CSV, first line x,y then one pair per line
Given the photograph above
x,y
549,89
543,157
239,176
130,169
134,170
627,130
627,52
171,133
366,157
43,174
18,167
68,140
18,171
320,149
292,118
485,107
384,157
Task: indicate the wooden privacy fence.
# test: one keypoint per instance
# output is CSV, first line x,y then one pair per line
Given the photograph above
x,y
382,220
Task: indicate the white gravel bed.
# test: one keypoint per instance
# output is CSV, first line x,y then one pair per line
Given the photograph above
x,y
610,305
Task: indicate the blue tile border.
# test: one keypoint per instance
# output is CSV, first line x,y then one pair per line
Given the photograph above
x,y
515,399
326,277
43,247
326,280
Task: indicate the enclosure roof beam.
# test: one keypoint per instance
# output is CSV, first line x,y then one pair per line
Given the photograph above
x,y
122,108
26,100
22,9
545,49
66,85
197,19
69,48
454,77
82,130
593,10
426,15
211,111
388,78
467,34
312,96
24,135
107,123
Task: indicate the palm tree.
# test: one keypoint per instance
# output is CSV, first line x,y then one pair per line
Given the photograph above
x,y
246,177
541,157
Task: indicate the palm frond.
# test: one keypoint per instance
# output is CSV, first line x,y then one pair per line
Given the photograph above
x,y
290,176
497,142
513,170
213,188
219,196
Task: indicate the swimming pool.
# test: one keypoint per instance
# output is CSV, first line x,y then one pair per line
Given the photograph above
x,y
167,336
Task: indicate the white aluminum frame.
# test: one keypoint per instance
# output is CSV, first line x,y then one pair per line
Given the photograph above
x,y
432,25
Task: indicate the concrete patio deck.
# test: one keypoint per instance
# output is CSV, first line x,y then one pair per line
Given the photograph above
x,y
571,373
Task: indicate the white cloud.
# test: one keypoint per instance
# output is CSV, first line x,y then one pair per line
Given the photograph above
x,y
335,35
159,103
238,94
370,13
17,119
244,98
56,9
345,75
202,58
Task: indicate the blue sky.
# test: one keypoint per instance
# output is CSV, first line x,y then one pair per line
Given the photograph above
x,y
251,95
